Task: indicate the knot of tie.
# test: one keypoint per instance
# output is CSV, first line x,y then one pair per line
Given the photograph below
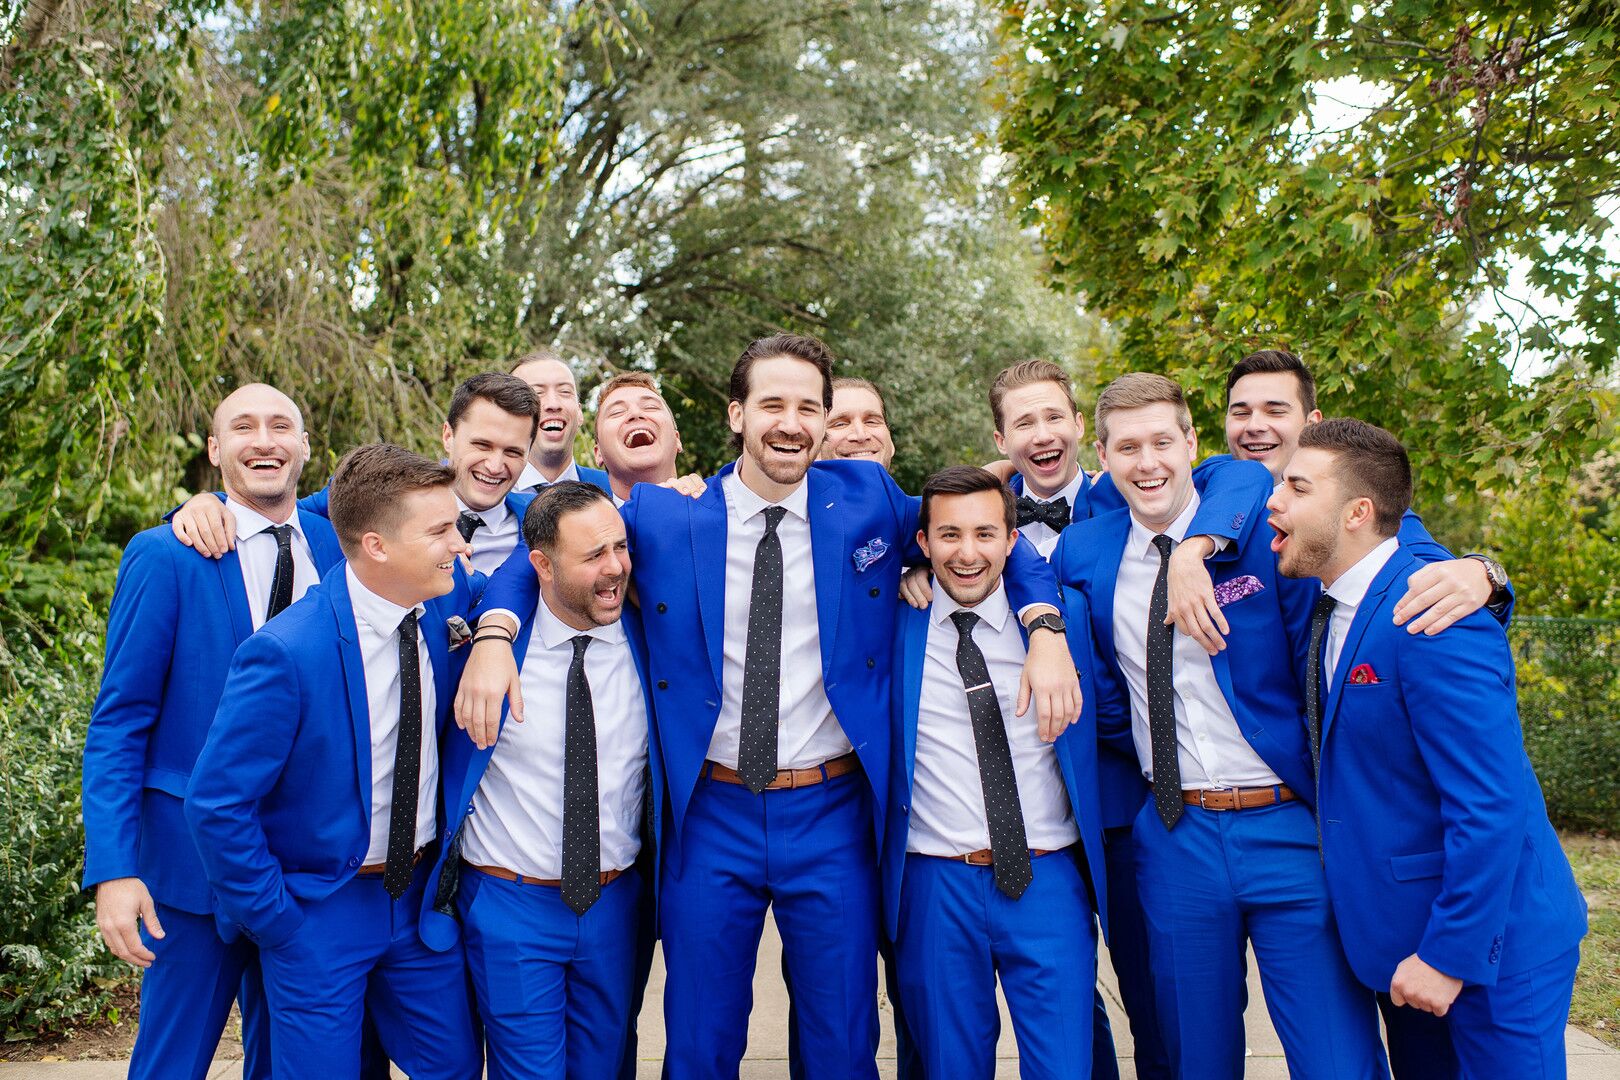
x,y
580,642
773,518
1054,515
965,622
1164,544
468,523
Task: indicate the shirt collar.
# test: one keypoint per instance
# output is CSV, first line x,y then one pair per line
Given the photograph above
x,y
532,477
554,632
747,503
1070,491
250,522
1142,537
1352,585
993,609
493,517
383,616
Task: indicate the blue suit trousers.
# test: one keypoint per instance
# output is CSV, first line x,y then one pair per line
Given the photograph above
x,y
807,853
1419,1043
1128,953
186,997
1515,1028
958,933
357,954
1219,881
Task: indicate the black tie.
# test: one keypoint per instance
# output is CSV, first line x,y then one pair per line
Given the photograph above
x,y
407,765
1320,616
282,584
1161,694
1009,848
468,523
762,663
1054,515
582,823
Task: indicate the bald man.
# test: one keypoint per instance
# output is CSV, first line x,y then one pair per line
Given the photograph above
x,y
175,622
551,455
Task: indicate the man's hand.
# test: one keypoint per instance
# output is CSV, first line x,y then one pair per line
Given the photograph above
x,y
122,904
204,525
1049,680
1441,593
691,484
917,587
491,677
1422,987
1193,609
1001,469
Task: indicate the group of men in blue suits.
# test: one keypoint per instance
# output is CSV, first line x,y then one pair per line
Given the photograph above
x,y
770,725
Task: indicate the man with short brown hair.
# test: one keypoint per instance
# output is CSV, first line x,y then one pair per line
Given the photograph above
x,y
551,456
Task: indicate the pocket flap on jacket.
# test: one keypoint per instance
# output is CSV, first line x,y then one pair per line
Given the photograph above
x,y
170,781
1425,864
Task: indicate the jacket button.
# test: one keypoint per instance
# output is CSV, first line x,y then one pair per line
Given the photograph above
x,y
875,590
353,863
663,684
871,663
662,608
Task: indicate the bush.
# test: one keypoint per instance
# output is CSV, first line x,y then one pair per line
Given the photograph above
x,y
1569,704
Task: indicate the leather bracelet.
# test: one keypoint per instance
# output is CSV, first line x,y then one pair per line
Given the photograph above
x,y
492,636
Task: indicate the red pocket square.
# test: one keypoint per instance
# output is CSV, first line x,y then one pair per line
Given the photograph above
x,y
1362,674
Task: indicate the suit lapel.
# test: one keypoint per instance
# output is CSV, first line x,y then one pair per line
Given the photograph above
x,y
916,646
1108,556
709,538
354,680
1397,568
230,579
827,549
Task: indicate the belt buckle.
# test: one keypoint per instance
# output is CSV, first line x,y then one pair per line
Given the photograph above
x,y
1205,791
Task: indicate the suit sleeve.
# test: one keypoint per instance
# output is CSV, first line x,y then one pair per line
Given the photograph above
x,y
247,749
1414,537
1458,691
512,587
1231,498
141,630
317,503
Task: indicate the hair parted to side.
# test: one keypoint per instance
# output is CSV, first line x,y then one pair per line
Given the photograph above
x,y
507,393
798,346
1027,373
370,483
1369,463
855,382
555,502
1137,390
965,480
1268,361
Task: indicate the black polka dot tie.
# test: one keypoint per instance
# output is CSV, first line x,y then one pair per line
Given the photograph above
x,y
1161,694
1009,847
281,585
407,765
468,523
762,663
582,825
1320,614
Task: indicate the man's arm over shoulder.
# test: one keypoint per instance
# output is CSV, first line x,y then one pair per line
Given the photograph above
x,y
141,630
247,749
1232,498
1468,589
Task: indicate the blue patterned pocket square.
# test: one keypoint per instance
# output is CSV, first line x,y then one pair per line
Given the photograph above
x,y
869,553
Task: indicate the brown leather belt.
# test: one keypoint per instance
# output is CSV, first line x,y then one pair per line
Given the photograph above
x,y
377,869
1237,798
521,879
982,857
787,778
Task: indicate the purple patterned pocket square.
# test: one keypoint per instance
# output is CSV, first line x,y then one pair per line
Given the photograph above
x,y
1239,588
869,553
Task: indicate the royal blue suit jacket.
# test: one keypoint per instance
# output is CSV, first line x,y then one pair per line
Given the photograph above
x,y
595,476
678,551
463,765
176,619
280,802
1076,754
1434,832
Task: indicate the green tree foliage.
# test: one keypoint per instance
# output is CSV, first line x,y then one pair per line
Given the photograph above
x,y
1178,160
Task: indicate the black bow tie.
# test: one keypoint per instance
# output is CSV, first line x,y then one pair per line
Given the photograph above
x,y
1054,515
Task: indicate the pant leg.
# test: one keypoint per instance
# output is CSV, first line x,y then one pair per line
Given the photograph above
x,y
255,1019
1045,949
947,973
418,997
712,901
517,951
1516,1028
1419,1043
646,945
600,974
823,881
1326,1020
1128,953
185,995
907,1061
373,1058
795,1059
1195,942
1104,1055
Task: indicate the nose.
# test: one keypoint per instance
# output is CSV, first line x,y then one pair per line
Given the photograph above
x,y
617,564
790,424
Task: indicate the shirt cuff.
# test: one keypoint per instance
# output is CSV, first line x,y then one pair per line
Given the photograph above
x,y
1221,543
502,611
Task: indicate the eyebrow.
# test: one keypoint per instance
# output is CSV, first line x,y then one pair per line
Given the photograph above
x,y
1273,401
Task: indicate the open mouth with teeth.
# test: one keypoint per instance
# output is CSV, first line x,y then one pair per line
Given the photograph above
x,y
1279,541
264,465
969,575
609,594
489,479
1047,460
785,448
554,426
636,438
1258,449
1151,486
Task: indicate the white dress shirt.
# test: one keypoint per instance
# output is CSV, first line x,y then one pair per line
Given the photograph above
x,y
807,732
947,794
377,621
1211,747
1349,590
532,479
1038,534
516,821
256,551
495,541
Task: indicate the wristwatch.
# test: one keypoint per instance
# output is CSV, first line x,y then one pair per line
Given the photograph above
x,y
1497,575
1048,621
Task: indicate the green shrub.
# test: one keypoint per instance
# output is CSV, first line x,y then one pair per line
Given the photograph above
x,y
1569,704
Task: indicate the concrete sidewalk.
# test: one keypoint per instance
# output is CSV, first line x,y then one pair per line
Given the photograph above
x,y
1589,1059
